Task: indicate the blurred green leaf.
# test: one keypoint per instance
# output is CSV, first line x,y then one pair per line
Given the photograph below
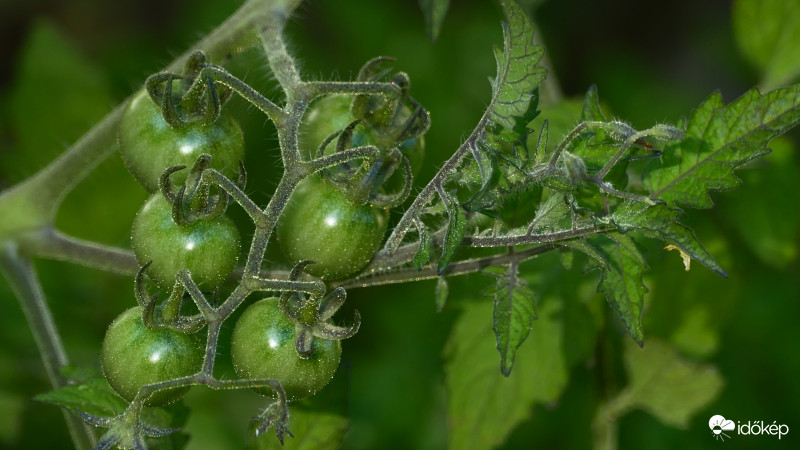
x,y
484,406
93,396
768,33
621,281
768,228
441,293
57,95
666,385
12,406
696,335
434,12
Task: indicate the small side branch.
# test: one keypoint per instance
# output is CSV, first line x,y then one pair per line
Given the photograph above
x,y
273,111
431,271
52,244
317,88
235,192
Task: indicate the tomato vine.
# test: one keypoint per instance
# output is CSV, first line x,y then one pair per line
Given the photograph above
x,y
355,160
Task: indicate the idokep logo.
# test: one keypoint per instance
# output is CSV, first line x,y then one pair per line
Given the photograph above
x,y
719,425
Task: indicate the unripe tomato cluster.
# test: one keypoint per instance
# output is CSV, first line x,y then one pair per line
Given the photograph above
x,y
319,224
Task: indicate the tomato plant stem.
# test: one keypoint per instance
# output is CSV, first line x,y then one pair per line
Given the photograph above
x,y
25,284
52,244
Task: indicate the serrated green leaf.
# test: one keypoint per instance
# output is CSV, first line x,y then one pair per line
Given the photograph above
x,y
585,248
718,139
434,12
456,227
483,406
591,106
561,118
313,430
550,213
93,396
487,196
441,293
662,221
622,283
517,75
425,250
541,143
768,33
667,386
629,245
513,313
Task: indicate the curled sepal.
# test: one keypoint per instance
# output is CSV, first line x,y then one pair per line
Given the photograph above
x,y
417,123
368,105
126,430
331,303
326,330
303,340
165,184
369,71
299,269
194,200
213,101
194,64
325,143
194,179
169,317
389,200
153,85
292,302
241,180
277,415
345,137
149,313
142,297
168,108
178,214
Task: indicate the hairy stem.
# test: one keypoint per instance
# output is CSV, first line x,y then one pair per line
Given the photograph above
x,y
52,244
25,284
431,271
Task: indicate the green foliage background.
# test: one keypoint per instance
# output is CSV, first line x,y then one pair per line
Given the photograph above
x,y
66,64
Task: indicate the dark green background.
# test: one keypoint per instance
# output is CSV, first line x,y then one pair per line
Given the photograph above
x,y
652,62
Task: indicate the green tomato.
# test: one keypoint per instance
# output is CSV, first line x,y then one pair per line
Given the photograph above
x,y
209,248
321,225
332,113
148,144
134,356
263,346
